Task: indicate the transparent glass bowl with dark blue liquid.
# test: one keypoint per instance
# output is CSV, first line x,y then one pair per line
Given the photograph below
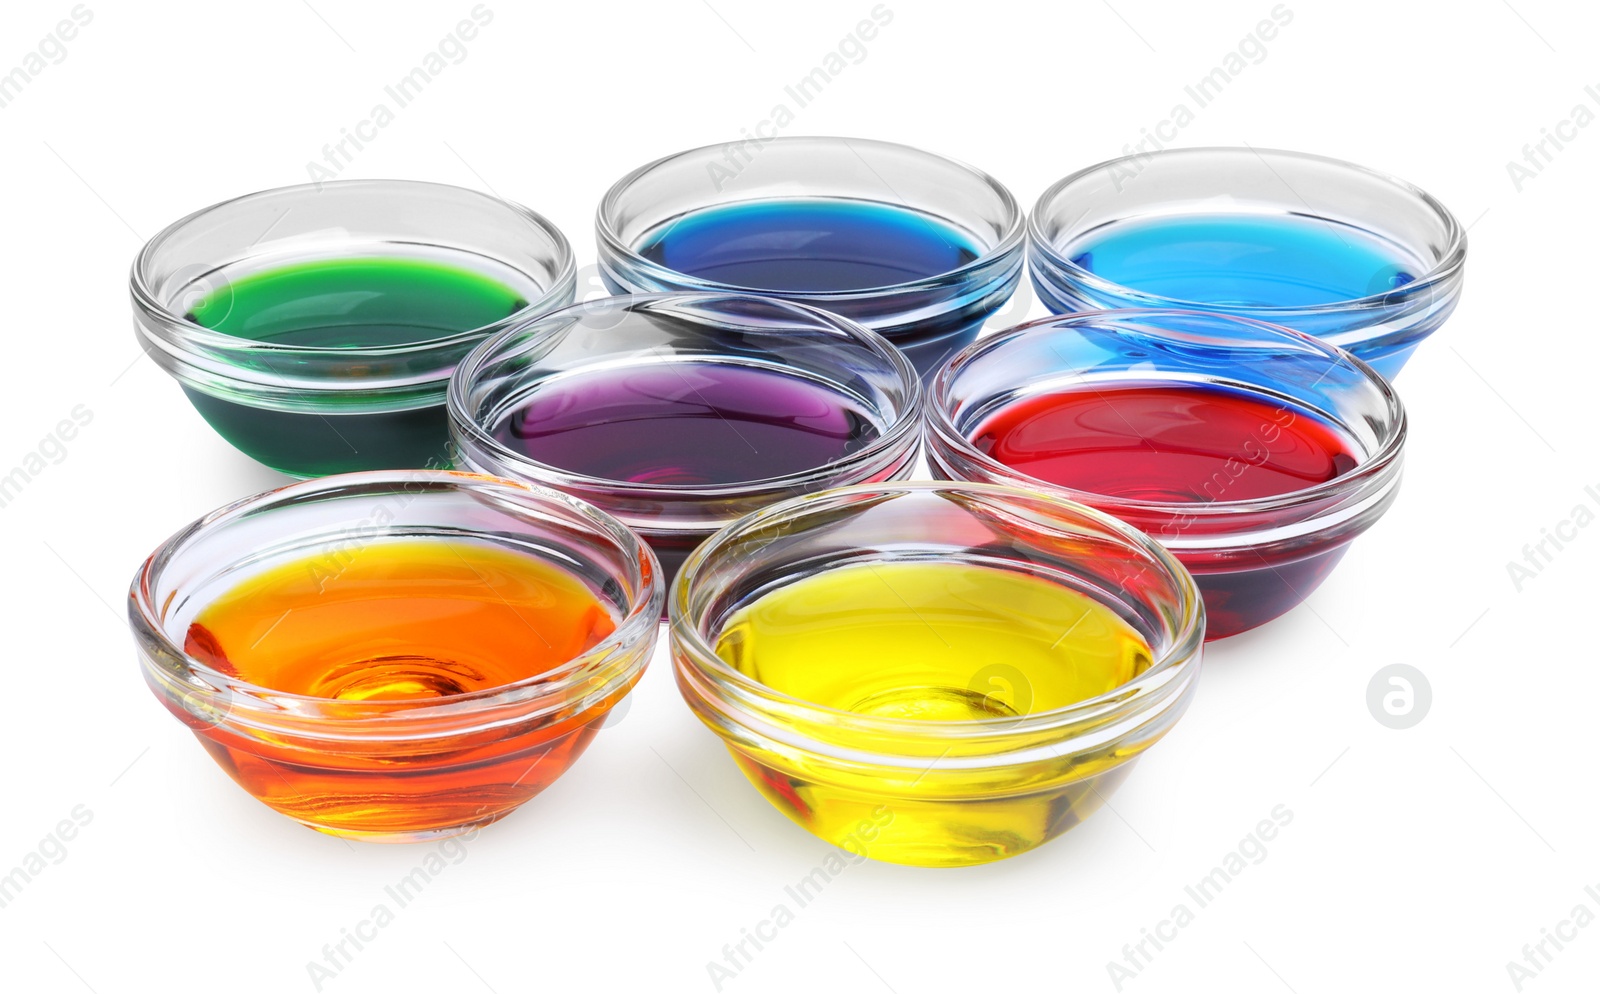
x,y
1357,258
919,248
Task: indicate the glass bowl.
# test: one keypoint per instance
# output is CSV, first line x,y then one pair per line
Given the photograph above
x,y
382,769
334,313
915,246
1254,558
1365,261
958,757
595,400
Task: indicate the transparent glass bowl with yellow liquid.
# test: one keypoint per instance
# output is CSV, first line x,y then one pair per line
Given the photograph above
x,y
936,674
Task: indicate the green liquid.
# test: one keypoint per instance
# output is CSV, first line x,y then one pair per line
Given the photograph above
x,y
346,303
356,303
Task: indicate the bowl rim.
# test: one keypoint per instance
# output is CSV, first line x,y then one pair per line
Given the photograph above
x,y
1374,468
905,430
638,624
1172,671
1451,261
1010,241
187,336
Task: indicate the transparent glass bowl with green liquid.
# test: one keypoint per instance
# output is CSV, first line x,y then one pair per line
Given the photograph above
x,y
315,327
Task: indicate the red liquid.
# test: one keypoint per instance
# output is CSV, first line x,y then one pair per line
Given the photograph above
x,y
1182,444
1166,443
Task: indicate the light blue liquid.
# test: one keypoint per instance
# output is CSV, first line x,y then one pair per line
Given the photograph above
x,y
1245,260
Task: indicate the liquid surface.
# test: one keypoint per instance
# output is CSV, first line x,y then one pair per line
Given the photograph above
x,y
1171,443
356,303
1245,260
687,424
808,245
400,621
933,641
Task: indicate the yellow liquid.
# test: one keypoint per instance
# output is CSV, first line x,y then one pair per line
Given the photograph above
x,y
934,642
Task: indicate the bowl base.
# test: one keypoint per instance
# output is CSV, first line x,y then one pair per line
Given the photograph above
x,y
937,830
1242,599
402,838
312,445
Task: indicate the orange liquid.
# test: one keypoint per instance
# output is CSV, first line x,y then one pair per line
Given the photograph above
x,y
401,621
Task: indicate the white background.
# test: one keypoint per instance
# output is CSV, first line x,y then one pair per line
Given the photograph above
x,y
1421,859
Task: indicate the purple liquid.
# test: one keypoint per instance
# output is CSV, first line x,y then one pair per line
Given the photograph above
x,y
687,424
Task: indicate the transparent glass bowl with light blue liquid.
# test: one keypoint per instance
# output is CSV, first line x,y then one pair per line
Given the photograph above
x,y
1359,259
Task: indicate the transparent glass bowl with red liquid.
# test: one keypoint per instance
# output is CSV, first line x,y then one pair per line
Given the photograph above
x,y
1256,454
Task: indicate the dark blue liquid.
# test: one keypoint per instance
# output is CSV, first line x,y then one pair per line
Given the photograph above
x,y
1245,260
809,245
